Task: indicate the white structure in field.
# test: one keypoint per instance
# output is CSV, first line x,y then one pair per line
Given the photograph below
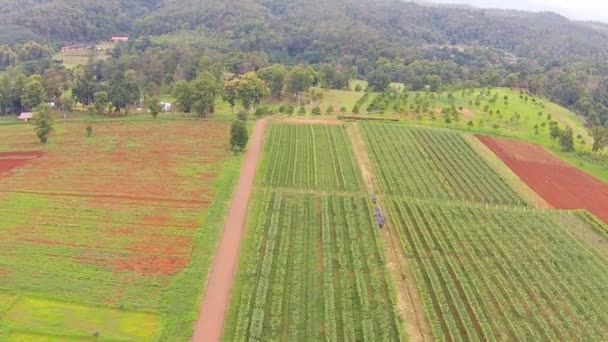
x,y
26,116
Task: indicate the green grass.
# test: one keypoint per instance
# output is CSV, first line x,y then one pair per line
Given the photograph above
x,y
54,317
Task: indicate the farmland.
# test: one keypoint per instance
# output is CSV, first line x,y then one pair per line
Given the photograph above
x,y
312,267
112,231
432,164
314,270
488,274
315,157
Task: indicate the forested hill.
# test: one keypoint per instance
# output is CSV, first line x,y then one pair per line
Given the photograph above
x,y
407,42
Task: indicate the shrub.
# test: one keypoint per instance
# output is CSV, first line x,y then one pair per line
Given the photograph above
x,y
242,115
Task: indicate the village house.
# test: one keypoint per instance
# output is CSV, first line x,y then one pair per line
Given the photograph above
x,y
26,116
117,39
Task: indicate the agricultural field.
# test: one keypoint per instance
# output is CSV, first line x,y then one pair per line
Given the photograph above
x,y
560,184
503,274
430,163
72,59
111,236
313,270
312,267
317,157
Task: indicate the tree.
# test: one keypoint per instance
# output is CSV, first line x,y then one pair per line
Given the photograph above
x,y
600,137
299,80
238,135
274,76
153,104
249,89
554,131
434,83
182,91
378,80
101,101
205,89
33,93
43,123
566,139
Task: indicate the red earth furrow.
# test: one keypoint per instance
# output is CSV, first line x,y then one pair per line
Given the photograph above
x,y
560,184
221,277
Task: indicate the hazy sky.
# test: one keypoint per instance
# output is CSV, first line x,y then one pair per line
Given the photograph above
x,y
575,9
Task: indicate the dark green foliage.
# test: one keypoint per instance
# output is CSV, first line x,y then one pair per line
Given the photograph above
x,y
238,135
43,123
566,140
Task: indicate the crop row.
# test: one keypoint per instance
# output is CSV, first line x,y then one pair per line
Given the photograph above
x,y
313,271
488,274
431,163
310,157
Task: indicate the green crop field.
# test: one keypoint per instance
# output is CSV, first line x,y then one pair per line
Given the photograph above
x,y
313,271
312,267
432,164
310,157
488,274
111,236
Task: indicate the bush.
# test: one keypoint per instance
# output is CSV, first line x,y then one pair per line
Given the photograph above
x,y
89,131
282,109
330,110
289,110
262,111
238,135
302,110
358,88
343,110
242,115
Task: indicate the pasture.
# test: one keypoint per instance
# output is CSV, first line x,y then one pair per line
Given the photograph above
x,y
110,236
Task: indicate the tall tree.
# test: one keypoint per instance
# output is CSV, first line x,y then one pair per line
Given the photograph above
x,y
33,93
182,91
274,76
299,80
43,122
205,89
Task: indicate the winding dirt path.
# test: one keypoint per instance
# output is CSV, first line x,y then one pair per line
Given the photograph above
x,y
221,278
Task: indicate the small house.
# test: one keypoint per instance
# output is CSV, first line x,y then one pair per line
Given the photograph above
x,y
119,39
166,107
26,116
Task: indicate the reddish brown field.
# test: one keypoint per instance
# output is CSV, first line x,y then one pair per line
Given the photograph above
x,y
561,185
12,160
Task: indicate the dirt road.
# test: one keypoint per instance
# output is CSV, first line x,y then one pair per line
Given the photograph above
x,y
217,295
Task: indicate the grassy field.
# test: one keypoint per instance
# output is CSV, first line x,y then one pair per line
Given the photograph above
x,y
312,266
433,164
72,59
111,235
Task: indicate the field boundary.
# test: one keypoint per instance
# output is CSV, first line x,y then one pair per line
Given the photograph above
x,y
409,302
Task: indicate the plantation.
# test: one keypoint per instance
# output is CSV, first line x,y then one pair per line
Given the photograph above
x,y
432,164
112,231
488,274
313,270
311,156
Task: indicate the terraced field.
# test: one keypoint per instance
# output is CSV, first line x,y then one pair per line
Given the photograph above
x,y
432,164
110,231
488,274
313,266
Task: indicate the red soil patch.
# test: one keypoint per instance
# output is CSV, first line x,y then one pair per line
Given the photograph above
x,y
467,113
151,264
12,160
561,185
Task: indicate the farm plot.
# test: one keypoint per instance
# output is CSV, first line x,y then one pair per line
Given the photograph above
x,y
432,164
313,270
560,184
315,157
488,274
122,222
